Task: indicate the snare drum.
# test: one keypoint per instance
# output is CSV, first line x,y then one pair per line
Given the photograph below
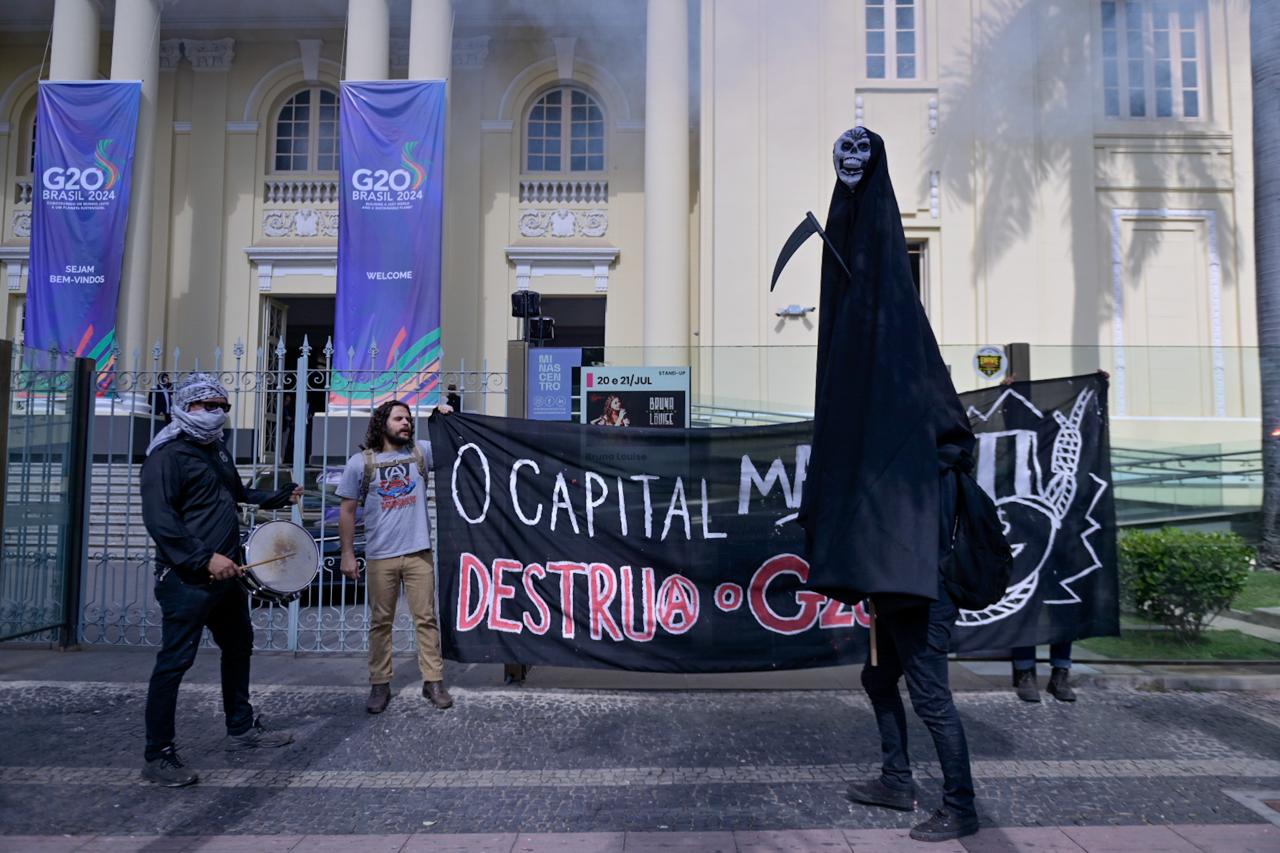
x,y
294,561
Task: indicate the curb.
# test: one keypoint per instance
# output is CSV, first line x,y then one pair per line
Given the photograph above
x,y
1175,681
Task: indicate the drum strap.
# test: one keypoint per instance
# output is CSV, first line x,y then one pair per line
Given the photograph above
x,y
419,459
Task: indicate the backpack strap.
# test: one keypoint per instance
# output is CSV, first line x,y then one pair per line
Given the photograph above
x,y
420,459
368,475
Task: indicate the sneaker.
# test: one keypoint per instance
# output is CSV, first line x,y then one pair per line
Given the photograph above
x,y
169,770
379,696
434,691
1024,682
877,793
1059,686
942,825
258,737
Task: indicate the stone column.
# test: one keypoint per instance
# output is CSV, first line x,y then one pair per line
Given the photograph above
x,y
74,54
135,55
368,40
430,39
666,175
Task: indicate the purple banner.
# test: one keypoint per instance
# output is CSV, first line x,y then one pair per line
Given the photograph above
x,y
85,136
387,335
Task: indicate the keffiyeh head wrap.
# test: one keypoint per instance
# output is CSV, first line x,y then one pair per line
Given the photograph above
x,y
204,427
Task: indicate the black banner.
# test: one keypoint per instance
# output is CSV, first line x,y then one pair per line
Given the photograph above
x,y
675,550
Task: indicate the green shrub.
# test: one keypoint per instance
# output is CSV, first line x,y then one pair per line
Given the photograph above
x,y
1180,578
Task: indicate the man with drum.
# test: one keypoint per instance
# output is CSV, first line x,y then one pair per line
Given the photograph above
x,y
388,481
190,489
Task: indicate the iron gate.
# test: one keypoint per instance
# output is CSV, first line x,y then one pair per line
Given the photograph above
x,y
284,426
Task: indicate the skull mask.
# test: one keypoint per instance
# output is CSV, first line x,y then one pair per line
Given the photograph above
x,y
851,153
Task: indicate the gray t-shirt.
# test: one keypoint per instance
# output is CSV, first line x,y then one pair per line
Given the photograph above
x,y
395,510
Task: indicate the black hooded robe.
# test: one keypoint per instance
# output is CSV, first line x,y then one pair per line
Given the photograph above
x,y
884,407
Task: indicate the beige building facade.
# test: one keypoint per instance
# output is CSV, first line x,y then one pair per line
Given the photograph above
x,y
1075,174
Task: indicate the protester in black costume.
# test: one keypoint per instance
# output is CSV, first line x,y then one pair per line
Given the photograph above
x,y
190,488
878,504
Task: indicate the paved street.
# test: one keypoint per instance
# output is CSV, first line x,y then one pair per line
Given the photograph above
x,y
615,763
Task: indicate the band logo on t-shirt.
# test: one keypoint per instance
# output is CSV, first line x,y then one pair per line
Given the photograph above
x,y
395,487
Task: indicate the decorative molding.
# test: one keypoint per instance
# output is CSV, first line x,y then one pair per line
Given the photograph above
x,y
935,194
583,262
1210,219
933,115
212,55
304,222
470,52
170,54
182,127
563,222
274,262
22,223
242,127
22,189
309,51
496,126
629,125
4,128
203,54
564,56
859,113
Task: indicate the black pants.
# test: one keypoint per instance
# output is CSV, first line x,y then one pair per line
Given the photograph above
x,y
914,642
187,609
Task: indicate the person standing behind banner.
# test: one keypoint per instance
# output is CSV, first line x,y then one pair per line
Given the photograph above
x,y
388,481
190,488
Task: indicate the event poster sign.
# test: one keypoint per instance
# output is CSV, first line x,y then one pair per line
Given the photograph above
x,y
387,329
635,396
550,382
675,550
85,135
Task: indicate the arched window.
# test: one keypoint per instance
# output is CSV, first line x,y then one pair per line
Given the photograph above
x,y
565,132
306,132
27,141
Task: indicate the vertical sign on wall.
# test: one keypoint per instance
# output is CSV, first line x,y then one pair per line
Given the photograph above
x,y
387,334
85,136
551,382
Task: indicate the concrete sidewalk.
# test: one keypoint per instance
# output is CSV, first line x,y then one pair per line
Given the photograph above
x,y
1193,838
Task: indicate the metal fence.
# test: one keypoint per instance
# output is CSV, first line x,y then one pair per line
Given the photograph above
x,y
44,404
293,418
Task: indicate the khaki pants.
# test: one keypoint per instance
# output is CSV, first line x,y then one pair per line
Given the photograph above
x,y
382,585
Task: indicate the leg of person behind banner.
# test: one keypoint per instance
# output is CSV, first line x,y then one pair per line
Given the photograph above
x,y
514,673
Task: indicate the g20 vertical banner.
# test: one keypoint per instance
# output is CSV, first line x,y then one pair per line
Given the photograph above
x,y
387,335
85,136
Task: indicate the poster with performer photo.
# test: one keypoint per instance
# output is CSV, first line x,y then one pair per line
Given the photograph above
x,y
635,397
676,550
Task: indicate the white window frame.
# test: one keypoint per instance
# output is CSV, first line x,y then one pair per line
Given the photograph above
x,y
313,133
566,133
1121,66
890,34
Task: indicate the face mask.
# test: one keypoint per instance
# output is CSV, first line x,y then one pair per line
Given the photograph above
x,y
202,425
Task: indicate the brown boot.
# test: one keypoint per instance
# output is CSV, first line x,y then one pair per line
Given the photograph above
x,y
379,696
438,696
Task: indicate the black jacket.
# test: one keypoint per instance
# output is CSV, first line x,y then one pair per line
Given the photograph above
x,y
189,496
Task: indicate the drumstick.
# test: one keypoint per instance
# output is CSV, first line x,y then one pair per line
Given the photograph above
x,y
268,560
